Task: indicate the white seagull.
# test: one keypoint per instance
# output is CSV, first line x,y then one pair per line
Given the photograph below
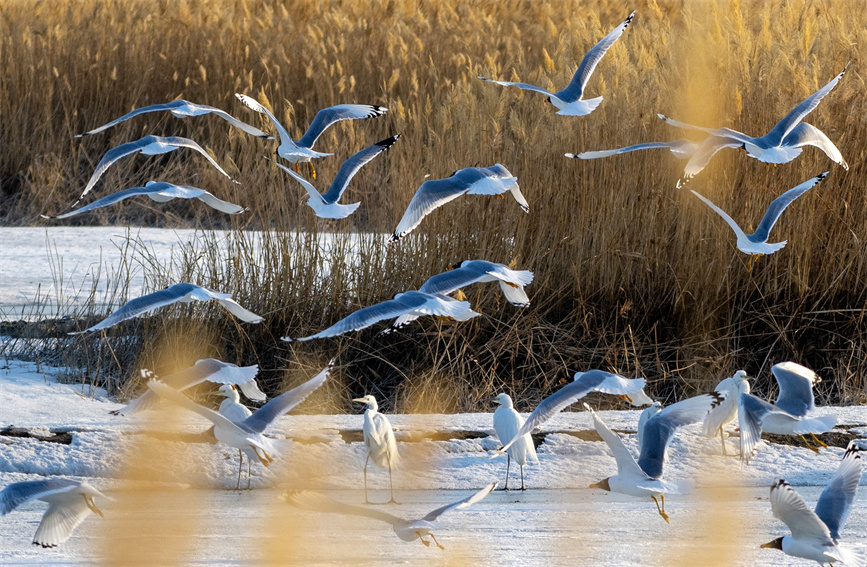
x,y
69,503
681,148
644,477
379,442
232,409
756,244
494,180
790,415
161,192
648,412
182,109
406,530
724,412
781,145
149,146
325,205
413,303
582,384
302,150
207,369
507,423
816,534
247,435
183,292
570,100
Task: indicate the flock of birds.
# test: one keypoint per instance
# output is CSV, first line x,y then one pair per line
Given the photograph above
x,y
814,534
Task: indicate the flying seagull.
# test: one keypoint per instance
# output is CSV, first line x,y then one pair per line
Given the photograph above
x,y
816,534
325,205
644,477
781,145
494,180
183,292
756,244
69,503
724,412
507,423
681,148
407,530
208,369
149,146
182,109
412,303
302,150
790,415
570,100
161,192
379,441
582,384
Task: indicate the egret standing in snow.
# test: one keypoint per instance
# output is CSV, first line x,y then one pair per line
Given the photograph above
x,y
507,423
379,441
726,410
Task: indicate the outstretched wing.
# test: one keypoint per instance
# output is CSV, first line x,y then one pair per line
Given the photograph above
x,y
19,493
788,506
265,416
836,500
729,221
133,113
579,80
329,116
787,124
625,461
255,105
317,502
688,146
432,194
143,304
351,166
776,209
61,518
660,428
805,134
796,388
461,504
524,86
112,156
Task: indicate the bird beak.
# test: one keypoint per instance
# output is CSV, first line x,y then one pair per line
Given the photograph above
x,y
359,400
600,484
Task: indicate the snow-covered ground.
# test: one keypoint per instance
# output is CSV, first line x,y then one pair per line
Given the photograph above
x,y
558,521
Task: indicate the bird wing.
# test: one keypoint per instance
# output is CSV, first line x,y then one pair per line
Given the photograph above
x,y
311,190
362,318
331,115
705,150
133,113
452,280
170,191
112,156
805,134
432,194
316,502
788,506
351,166
143,304
633,148
255,105
524,86
659,429
779,205
796,388
115,197
61,518
215,203
179,142
734,226
19,493
575,89
165,391
265,416
252,130
625,461
751,412
787,124
719,132
461,504
836,500
204,294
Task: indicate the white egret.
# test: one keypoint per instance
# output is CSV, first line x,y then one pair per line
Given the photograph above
x,y
379,442
726,411
406,530
69,503
507,423
570,101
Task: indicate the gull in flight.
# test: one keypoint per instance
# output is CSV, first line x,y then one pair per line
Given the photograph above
x,y
570,100
781,145
302,150
149,146
816,534
681,148
325,205
756,244
582,384
183,109
208,369
161,192
407,530
183,292
507,423
644,477
789,415
494,180
248,435
413,303
726,410
379,442
69,503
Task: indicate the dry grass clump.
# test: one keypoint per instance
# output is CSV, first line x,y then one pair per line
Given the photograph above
x,y
631,274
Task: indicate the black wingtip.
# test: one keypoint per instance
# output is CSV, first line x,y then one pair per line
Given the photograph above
x,y
388,142
377,110
393,238
627,21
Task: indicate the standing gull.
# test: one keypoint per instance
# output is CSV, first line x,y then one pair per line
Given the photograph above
x,y
724,412
183,292
379,442
182,109
507,423
325,205
69,503
407,530
570,100
494,180
232,409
